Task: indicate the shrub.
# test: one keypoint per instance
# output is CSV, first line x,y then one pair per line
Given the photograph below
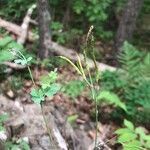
x,y
132,138
132,84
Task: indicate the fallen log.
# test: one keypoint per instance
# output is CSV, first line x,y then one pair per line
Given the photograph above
x,y
56,48
71,54
13,65
25,25
16,29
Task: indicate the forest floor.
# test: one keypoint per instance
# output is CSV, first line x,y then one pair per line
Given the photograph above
x,y
26,121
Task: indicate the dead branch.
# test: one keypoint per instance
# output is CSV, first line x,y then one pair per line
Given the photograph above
x,y
71,54
16,29
58,49
11,27
34,22
24,32
13,65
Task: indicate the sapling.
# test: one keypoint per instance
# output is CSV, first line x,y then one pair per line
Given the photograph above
x,y
48,87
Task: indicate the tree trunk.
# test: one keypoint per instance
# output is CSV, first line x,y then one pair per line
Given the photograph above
x,y
44,20
128,22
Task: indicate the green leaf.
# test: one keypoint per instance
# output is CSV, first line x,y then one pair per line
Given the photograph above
x,y
122,131
1,127
129,124
52,76
20,61
5,55
74,88
141,133
147,138
24,145
147,144
127,137
112,98
15,45
37,96
29,59
46,80
71,119
133,145
78,6
11,146
5,41
52,89
3,117
130,147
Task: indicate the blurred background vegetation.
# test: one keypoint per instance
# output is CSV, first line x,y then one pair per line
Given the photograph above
x,y
71,20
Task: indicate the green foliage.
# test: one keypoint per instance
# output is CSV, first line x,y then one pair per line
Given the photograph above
x,y
23,61
16,82
71,119
37,96
58,33
112,81
56,26
19,56
51,90
48,87
5,41
130,58
52,62
20,144
63,36
46,80
146,7
132,83
12,145
96,12
14,10
3,118
132,138
80,14
7,44
74,88
111,98
76,14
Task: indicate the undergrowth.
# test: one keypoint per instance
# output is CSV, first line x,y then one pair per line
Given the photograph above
x,y
127,88
131,84
133,138
92,83
74,88
10,143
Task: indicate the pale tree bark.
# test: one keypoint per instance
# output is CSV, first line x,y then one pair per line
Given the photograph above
x,y
44,20
127,22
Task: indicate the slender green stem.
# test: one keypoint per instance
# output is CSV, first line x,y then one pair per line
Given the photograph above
x,y
92,88
96,113
45,120
22,56
96,118
31,75
94,97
